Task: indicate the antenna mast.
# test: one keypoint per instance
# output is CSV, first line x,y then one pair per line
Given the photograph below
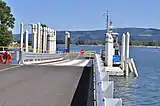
x,y
107,22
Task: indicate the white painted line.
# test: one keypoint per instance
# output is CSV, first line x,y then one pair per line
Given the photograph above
x,y
58,62
83,64
10,68
77,56
70,63
43,61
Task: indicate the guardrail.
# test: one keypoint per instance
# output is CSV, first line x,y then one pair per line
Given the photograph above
x,y
32,58
103,93
23,57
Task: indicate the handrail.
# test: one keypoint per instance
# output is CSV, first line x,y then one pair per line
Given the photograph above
x,y
98,89
31,58
24,48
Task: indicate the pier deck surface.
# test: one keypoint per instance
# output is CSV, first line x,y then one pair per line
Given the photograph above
x,y
38,85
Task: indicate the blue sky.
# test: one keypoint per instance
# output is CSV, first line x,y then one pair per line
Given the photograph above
x,y
86,14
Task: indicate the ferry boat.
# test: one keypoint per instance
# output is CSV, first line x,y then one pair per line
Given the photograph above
x,y
116,56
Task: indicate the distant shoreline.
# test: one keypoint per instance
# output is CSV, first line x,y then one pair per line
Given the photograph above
x,y
130,46
147,46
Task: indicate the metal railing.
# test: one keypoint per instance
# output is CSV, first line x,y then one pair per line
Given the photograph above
x,y
23,57
103,93
32,58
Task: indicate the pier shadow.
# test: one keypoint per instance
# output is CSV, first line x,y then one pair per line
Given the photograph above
x,y
84,94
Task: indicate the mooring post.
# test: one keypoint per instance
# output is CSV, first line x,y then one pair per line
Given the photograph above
x,y
45,40
67,41
34,37
40,39
21,44
109,50
54,41
49,41
21,33
123,51
38,36
127,54
26,40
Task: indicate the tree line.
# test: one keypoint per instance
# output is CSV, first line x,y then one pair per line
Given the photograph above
x,y
7,21
94,42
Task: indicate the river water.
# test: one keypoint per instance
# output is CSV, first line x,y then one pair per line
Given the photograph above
x,y
144,90
141,91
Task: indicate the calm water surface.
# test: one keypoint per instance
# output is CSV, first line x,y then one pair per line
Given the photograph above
x,y
145,90
141,91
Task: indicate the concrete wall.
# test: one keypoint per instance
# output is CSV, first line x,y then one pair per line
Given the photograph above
x,y
84,95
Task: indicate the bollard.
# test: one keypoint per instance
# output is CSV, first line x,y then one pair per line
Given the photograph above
x,y
123,51
38,36
127,54
109,50
21,33
26,40
34,37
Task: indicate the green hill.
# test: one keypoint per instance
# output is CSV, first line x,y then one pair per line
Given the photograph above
x,y
137,34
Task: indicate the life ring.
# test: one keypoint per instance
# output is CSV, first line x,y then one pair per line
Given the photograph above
x,y
6,58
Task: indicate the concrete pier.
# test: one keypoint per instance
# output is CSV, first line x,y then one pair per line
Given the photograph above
x,y
45,85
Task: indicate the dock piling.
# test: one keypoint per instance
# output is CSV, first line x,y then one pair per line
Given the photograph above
x,y
38,36
34,37
126,69
26,40
109,50
67,41
21,33
123,51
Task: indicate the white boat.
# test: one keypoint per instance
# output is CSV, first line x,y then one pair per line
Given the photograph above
x,y
116,56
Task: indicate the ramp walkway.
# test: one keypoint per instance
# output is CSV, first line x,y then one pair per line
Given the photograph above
x,y
42,85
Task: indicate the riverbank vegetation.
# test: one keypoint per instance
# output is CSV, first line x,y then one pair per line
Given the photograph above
x,y
132,43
